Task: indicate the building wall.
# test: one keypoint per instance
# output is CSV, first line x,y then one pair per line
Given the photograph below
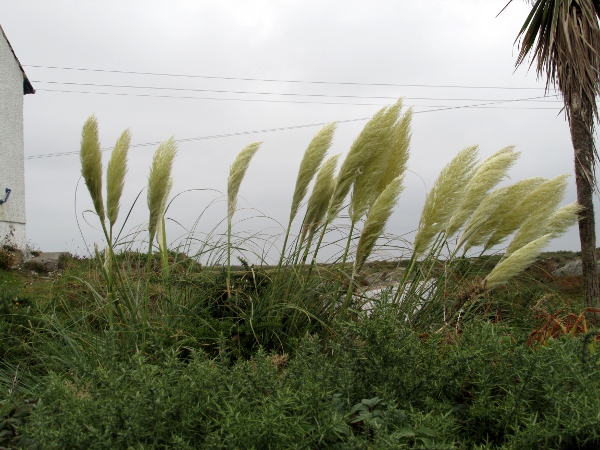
x,y
12,164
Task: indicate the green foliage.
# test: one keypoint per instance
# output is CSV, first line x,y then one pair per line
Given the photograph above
x,y
16,318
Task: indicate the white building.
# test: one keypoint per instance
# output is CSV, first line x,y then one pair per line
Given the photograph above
x,y
13,85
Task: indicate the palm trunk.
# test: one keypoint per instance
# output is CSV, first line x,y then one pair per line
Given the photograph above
x,y
583,145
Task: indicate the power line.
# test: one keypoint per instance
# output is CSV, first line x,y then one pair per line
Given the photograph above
x,y
273,80
275,101
269,130
123,94
121,86
201,138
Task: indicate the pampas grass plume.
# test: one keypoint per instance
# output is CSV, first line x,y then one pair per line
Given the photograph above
x,y
494,208
481,223
236,175
563,219
489,173
359,155
399,153
377,144
320,197
444,197
91,163
160,183
546,221
376,220
516,262
537,210
495,230
313,157
115,176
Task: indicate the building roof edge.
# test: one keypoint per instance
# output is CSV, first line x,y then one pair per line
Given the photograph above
x,y
27,86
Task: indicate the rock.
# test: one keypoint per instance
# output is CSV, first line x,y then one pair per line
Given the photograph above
x,y
572,268
44,262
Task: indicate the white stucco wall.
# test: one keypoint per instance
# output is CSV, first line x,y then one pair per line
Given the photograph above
x,y
12,165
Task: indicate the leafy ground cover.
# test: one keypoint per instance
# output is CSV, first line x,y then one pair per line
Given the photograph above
x,y
368,381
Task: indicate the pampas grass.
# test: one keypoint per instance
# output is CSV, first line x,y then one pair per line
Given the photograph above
x,y
516,262
461,198
563,219
160,183
541,200
444,198
91,164
489,173
313,157
115,176
494,208
376,220
493,233
399,153
544,221
319,199
376,144
236,176
358,157
481,223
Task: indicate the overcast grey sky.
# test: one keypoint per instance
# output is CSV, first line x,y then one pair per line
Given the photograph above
x,y
385,47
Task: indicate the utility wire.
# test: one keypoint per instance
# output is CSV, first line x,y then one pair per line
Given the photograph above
x,y
269,130
278,93
278,101
273,80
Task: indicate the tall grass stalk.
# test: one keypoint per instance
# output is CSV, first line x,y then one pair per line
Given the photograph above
x,y
236,175
318,201
160,183
115,181
313,157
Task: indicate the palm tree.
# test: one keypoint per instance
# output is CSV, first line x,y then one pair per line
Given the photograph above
x,y
563,37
